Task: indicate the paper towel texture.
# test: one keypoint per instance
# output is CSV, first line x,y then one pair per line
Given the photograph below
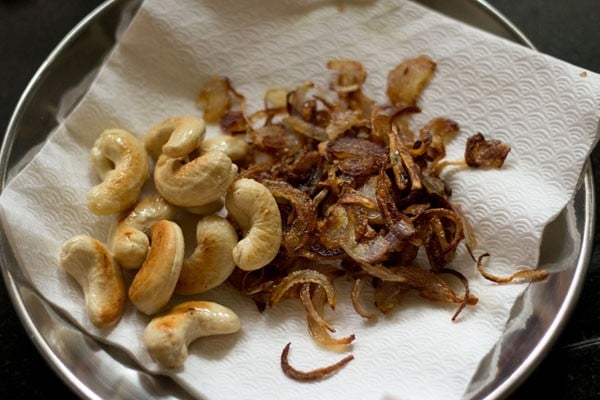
x,y
547,110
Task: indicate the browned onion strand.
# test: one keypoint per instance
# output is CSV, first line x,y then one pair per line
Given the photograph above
x,y
318,330
303,225
357,287
467,295
315,374
303,276
527,275
311,311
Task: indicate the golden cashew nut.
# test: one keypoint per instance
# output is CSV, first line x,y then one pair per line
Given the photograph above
x,y
211,263
121,161
255,210
128,238
100,277
175,137
167,337
234,147
195,183
155,281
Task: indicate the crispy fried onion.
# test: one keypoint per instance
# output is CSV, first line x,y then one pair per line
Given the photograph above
x,y
301,277
314,301
313,375
526,275
359,192
481,152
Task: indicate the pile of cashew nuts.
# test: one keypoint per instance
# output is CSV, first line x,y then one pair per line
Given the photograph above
x,y
191,174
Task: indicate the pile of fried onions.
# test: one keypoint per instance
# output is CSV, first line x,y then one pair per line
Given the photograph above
x,y
359,192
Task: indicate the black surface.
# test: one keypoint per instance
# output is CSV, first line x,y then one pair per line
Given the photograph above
x,y
569,30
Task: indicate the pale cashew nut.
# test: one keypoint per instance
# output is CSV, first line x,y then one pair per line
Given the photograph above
x,y
167,337
195,183
155,281
211,263
175,137
100,277
128,238
234,147
122,163
255,210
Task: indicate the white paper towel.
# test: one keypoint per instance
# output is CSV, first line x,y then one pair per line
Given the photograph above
x,y
547,110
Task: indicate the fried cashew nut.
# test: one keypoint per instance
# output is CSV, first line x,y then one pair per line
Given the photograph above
x,y
195,183
175,137
155,281
234,147
255,210
211,263
167,337
121,161
100,277
128,238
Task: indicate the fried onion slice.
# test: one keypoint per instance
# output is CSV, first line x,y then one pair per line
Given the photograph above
x,y
408,79
357,287
430,285
481,152
527,275
350,75
313,375
303,276
304,223
403,162
314,302
214,98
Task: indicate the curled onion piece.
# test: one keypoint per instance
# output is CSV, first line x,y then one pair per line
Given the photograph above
x,y
372,250
311,311
426,282
313,375
305,128
383,273
434,134
350,75
299,103
398,223
318,328
440,239
430,286
527,275
402,161
303,276
357,287
467,294
304,223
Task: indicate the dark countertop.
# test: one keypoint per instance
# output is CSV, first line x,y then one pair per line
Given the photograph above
x,y
30,29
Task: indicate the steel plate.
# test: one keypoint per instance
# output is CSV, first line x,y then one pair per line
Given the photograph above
x,y
94,371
